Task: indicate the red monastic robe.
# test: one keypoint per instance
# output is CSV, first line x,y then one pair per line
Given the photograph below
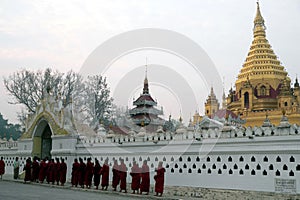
x,y
105,175
81,173
116,176
75,174
50,172
159,180
2,167
43,171
97,169
35,170
62,172
27,169
123,175
54,172
57,172
136,177
145,175
89,174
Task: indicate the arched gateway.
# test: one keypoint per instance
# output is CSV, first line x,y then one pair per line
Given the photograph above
x,y
46,127
42,142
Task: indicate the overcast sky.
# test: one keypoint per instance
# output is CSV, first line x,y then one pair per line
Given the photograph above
x,y
61,34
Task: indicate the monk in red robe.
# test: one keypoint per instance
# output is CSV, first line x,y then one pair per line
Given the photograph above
x,y
89,173
75,173
50,171
62,172
136,177
35,170
81,173
159,179
105,175
27,169
43,170
97,169
56,171
116,175
2,167
145,176
123,176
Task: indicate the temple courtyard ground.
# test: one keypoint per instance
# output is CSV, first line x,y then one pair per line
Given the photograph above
x,y
11,189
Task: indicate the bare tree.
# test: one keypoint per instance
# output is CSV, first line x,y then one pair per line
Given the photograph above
x,y
94,101
72,85
29,87
91,98
24,87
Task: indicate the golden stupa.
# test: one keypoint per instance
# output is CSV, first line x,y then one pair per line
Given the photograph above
x,y
262,88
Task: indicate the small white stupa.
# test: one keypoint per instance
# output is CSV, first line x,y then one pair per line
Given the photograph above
x,y
142,132
181,128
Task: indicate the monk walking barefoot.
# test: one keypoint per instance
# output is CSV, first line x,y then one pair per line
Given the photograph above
x,y
159,179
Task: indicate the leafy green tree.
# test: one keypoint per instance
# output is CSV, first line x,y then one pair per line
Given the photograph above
x,y
8,130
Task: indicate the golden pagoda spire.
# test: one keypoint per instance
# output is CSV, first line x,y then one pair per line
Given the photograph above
x,y
261,75
259,23
212,91
261,62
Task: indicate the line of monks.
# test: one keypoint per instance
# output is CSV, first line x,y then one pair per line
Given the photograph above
x,y
53,171
83,174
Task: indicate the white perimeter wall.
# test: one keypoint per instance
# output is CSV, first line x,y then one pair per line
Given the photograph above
x,y
233,163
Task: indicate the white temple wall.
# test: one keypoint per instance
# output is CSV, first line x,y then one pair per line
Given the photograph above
x,y
233,163
227,163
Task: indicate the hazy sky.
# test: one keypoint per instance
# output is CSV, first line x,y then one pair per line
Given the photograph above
x,y
61,34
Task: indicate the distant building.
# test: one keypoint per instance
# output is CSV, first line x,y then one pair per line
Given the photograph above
x,y
212,104
145,112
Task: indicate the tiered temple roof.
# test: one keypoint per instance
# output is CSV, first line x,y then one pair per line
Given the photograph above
x,y
145,112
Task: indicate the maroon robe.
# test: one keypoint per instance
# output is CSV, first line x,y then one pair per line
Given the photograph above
x,y
50,172
145,175
159,180
57,172
35,171
135,174
54,172
123,175
2,167
62,172
27,169
89,174
116,176
81,174
97,169
43,171
75,174
105,175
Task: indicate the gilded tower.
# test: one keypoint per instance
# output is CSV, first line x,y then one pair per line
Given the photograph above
x,y
211,105
263,84
260,79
